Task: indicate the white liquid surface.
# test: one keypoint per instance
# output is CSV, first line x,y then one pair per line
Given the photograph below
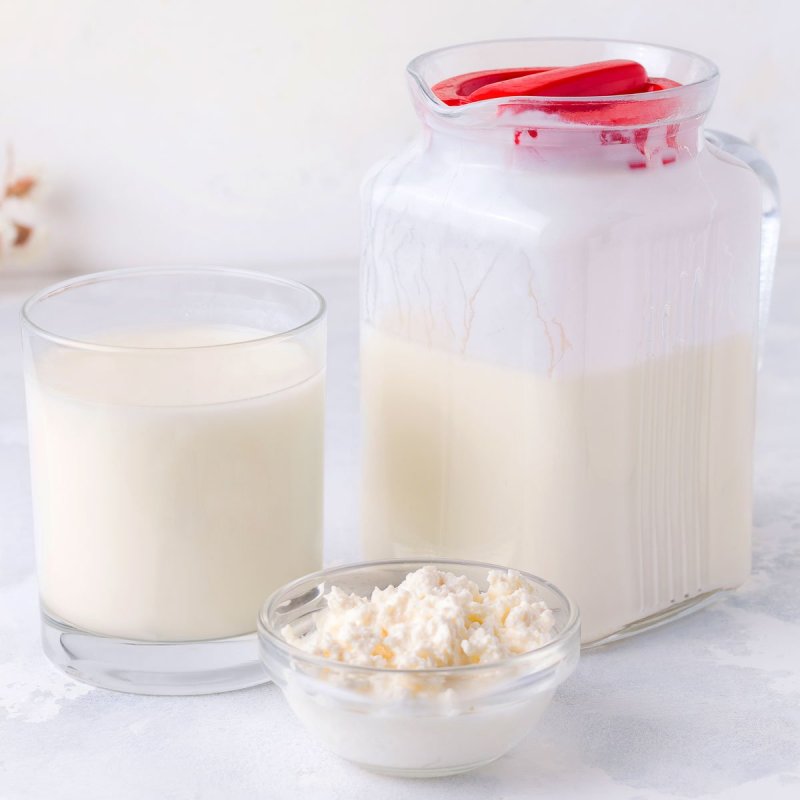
x,y
630,489
175,489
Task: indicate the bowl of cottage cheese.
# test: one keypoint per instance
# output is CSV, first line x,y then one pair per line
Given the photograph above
x,y
419,668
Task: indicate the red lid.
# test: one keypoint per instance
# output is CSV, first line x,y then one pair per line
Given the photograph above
x,y
455,91
593,80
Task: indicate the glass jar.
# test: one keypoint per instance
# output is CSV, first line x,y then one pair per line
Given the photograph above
x,y
560,313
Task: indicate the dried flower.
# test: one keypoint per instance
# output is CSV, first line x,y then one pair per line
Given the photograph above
x,y
16,206
21,187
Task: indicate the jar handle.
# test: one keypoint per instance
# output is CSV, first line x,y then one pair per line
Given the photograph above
x,y
770,219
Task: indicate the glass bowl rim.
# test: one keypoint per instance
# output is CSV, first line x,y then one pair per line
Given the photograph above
x,y
268,635
110,275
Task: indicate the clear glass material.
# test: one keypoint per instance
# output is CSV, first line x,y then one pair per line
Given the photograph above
x,y
770,219
176,437
413,723
560,309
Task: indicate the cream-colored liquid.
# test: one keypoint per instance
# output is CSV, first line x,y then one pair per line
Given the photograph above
x,y
630,489
174,491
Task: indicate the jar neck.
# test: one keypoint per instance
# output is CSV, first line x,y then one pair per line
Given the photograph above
x,y
526,147
631,131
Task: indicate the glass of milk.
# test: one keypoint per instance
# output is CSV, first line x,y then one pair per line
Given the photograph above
x,y
176,440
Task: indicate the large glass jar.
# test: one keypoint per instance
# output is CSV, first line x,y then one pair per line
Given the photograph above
x,y
560,315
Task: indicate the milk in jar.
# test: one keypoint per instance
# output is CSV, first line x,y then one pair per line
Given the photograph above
x,y
560,316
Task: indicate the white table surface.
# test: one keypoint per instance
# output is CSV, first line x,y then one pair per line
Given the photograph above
x,y
707,707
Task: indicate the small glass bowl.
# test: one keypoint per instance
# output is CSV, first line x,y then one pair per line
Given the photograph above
x,y
421,722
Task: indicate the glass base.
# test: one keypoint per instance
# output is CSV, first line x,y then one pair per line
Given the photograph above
x,y
669,614
165,668
424,772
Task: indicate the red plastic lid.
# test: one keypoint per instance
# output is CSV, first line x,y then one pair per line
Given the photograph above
x,y
456,91
597,79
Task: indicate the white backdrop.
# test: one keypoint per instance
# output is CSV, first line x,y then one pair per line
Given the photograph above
x,y
237,132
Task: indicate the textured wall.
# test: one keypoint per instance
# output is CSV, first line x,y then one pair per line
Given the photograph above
x,y
237,132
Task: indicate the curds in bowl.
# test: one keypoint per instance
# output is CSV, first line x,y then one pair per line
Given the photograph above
x,y
419,668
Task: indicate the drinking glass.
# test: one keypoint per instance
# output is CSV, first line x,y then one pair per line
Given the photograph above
x,y
176,439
